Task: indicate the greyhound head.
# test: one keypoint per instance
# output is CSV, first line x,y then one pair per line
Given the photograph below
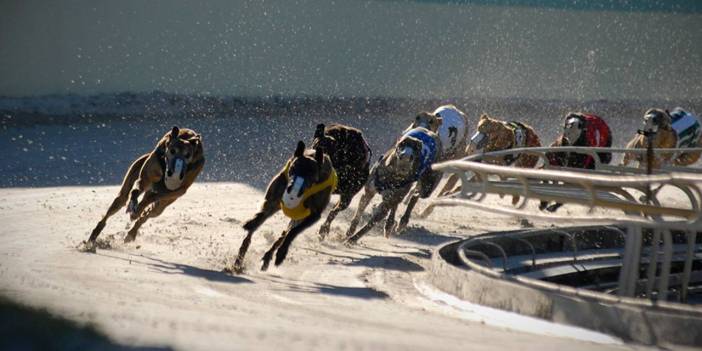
x,y
573,128
654,120
322,141
482,140
406,154
303,171
427,120
179,153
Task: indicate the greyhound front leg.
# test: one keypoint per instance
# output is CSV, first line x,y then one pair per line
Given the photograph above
x,y
366,198
408,212
390,222
269,254
299,227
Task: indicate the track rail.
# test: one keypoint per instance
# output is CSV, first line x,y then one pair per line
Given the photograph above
x,y
607,187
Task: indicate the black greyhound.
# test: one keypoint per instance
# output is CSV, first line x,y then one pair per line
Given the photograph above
x,y
350,155
302,189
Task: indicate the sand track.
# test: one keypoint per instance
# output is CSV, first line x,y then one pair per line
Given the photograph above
x,y
166,289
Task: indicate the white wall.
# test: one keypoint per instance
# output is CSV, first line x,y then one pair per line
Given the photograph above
x,y
346,47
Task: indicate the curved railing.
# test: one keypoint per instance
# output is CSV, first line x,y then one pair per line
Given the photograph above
x,y
591,151
608,187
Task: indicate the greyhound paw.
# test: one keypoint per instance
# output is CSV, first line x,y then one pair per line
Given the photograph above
x,y
350,242
236,268
543,205
323,231
280,255
403,224
87,246
129,238
264,265
390,230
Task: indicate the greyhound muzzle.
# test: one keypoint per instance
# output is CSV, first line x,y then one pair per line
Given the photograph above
x,y
650,125
406,153
293,194
479,141
175,172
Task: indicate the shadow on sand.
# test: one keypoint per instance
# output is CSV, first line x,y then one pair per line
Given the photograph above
x,y
421,235
348,291
24,328
166,267
392,263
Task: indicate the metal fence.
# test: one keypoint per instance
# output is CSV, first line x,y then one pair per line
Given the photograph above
x,y
622,189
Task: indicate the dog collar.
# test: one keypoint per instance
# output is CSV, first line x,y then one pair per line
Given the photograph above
x,y
300,211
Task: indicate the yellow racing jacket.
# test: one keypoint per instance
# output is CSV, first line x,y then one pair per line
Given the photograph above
x,y
300,211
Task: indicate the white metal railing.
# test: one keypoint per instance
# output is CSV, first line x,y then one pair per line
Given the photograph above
x,y
591,151
608,187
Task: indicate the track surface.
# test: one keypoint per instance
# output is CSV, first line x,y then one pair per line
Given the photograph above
x,y
166,289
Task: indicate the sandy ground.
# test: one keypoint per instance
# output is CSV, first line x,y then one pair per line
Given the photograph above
x,y
166,289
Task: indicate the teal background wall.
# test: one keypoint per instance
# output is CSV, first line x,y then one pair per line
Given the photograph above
x,y
536,49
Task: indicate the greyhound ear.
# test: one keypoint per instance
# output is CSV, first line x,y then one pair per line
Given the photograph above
x,y
300,149
484,116
174,132
440,121
319,132
319,156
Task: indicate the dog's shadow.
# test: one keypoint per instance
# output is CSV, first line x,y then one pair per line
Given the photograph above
x,y
167,267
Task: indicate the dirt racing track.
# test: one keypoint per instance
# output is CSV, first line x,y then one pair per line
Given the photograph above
x,y
167,289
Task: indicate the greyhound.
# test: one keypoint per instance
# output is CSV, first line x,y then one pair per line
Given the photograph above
x,y
302,189
495,135
350,155
409,161
162,175
679,129
579,129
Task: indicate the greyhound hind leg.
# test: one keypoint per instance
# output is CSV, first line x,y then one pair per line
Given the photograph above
x,y
366,198
155,210
343,204
268,209
379,214
129,179
270,206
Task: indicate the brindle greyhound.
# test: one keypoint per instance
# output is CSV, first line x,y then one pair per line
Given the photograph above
x,y
350,155
679,129
409,161
451,124
302,189
495,135
163,175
